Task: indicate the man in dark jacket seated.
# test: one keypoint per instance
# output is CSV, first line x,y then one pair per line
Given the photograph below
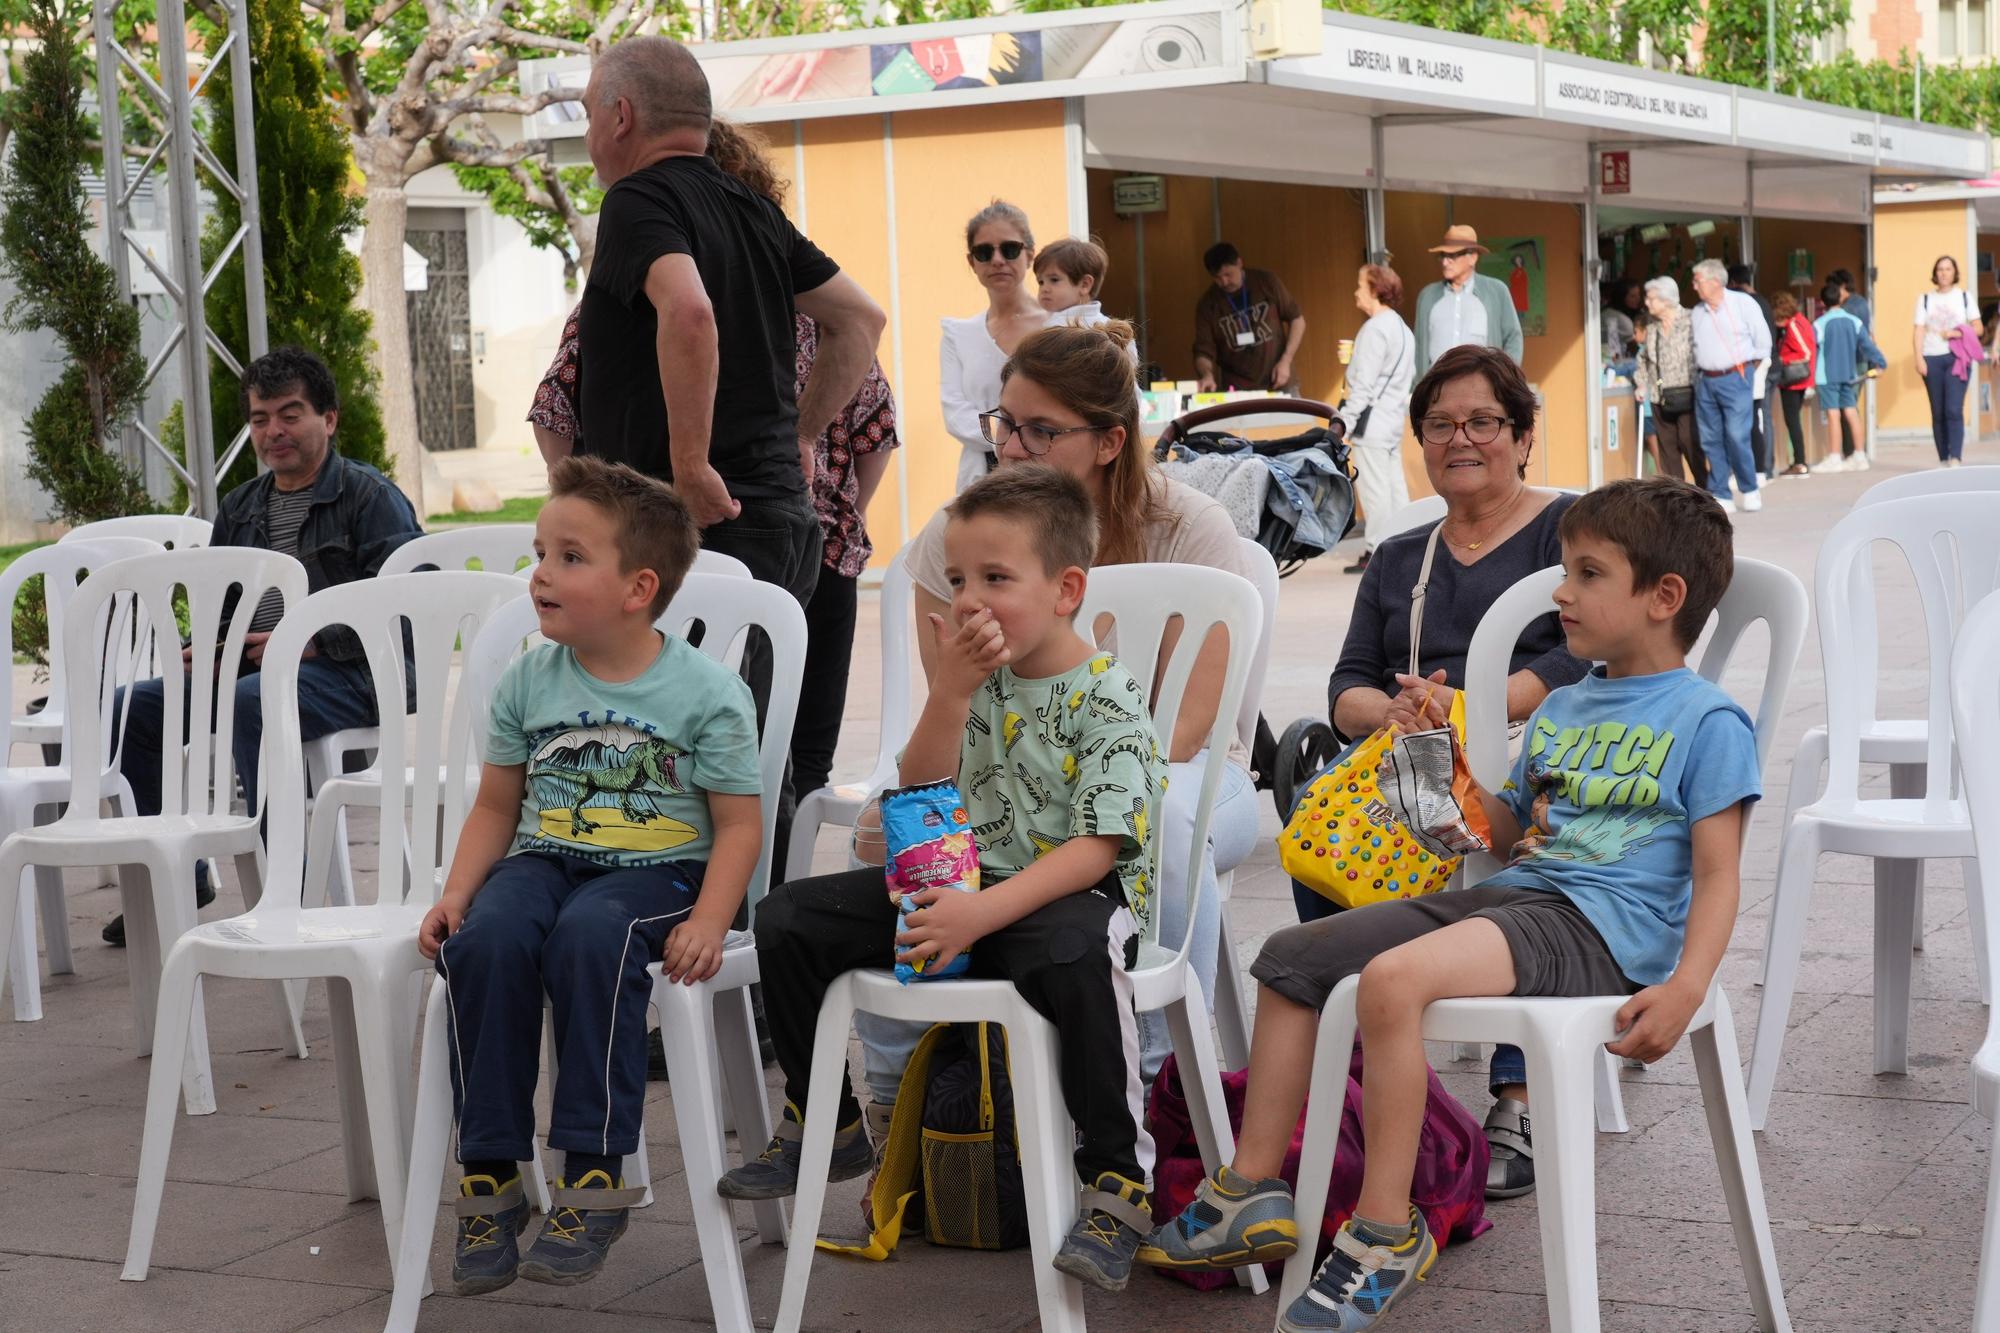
x,y
340,519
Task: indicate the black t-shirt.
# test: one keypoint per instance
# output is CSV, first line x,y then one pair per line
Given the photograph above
x,y
752,260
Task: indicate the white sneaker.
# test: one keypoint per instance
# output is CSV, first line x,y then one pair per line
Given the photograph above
x,y
1752,501
1728,505
1858,463
1831,463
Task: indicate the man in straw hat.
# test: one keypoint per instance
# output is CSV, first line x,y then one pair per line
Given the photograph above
x,y
1465,306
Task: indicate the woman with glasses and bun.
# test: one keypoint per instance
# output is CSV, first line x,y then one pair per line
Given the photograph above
x,y
999,249
1474,415
1066,398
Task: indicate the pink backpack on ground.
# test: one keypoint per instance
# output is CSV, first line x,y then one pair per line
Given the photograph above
x,y
1449,1186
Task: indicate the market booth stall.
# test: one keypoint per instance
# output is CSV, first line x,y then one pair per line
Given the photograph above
x,y
1915,225
1310,140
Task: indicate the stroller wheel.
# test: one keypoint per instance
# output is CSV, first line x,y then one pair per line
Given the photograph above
x,y
1307,746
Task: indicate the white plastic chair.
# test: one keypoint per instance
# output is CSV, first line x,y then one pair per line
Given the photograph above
x,y
180,532
500,548
842,804
197,774
367,953
1564,1039
33,793
1975,719
1897,742
1952,545
1423,510
1232,1021
1141,599
706,1028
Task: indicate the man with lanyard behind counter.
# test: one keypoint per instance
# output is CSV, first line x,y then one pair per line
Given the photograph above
x,y
1247,327
1731,339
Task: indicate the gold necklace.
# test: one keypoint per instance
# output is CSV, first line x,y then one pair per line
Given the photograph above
x,y
1473,546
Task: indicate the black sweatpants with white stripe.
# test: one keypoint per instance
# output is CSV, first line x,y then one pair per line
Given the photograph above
x,y
1069,960
583,934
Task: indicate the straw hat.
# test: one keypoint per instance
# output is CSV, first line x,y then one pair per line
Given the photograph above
x,y
1460,238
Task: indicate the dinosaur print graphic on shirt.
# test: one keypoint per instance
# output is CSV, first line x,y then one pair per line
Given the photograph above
x,y
602,788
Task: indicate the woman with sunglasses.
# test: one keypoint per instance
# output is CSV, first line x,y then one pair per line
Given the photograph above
x,y
1067,399
1474,415
999,248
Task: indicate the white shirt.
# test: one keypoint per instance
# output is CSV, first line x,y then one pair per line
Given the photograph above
x,y
1939,315
1380,377
1457,319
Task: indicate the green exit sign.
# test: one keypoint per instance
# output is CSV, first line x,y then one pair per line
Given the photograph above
x,y
1139,194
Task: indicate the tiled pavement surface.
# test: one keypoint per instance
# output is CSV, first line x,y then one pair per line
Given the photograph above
x,y
1875,1183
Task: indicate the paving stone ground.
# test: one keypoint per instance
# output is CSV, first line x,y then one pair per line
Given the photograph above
x,y
1875,1183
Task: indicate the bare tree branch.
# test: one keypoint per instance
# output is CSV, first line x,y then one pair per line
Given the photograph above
x,y
447,148
535,41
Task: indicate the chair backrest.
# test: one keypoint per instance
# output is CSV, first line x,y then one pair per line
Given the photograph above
x,y
1975,719
727,608
1861,593
1263,577
1758,591
61,566
1143,603
716,562
1952,546
432,612
1417,513
499,548
223,587
176,532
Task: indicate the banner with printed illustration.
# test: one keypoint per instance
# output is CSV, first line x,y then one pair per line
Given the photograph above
x,y
1521,263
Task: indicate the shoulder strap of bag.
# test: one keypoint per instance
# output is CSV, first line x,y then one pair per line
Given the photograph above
x,y
1420,592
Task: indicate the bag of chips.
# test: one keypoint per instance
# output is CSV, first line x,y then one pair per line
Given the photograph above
x,y
928,838
1428,789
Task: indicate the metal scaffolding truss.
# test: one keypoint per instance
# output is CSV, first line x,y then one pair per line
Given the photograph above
x,y
181,156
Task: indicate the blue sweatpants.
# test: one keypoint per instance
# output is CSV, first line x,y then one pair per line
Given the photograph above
x,y
583,934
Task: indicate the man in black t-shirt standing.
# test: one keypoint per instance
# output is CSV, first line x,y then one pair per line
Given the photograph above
x,y
686,336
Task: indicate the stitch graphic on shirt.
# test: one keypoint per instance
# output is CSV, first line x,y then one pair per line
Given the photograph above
x,y
617,773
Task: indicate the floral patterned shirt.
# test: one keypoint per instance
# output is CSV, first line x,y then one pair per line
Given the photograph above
x,y
866,426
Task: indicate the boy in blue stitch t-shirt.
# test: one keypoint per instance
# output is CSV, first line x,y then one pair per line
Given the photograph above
x,y
1621,826
618,823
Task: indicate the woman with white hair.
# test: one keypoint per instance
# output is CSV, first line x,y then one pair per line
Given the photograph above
x,y
1664,380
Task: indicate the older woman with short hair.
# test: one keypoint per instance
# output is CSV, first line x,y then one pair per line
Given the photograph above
x,y
1664,381
1475,417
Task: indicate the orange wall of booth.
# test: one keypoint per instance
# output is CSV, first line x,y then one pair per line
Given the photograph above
x,y
1908,239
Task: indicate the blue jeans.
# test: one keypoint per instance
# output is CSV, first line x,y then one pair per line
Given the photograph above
x,y
583,934
333,696
1722,407
1947,395
1508,1065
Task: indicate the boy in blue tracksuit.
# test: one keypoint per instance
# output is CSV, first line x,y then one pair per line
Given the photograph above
x,y
1844,343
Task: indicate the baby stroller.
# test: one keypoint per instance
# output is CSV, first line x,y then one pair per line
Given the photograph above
x,y
1293,496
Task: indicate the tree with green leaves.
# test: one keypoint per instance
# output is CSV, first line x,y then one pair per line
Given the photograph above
x,y
556,206
62,285
312,284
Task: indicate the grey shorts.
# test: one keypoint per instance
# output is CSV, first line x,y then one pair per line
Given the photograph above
x,y
1556,949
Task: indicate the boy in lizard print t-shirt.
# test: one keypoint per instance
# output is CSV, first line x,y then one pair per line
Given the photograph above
x,y
1054,752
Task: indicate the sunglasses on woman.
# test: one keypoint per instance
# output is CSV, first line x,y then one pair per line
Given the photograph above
x,y
1009,251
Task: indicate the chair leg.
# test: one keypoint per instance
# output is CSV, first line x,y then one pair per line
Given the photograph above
x,y
1232,1021
1975,920
836,1014
1559,1085
1808,762
173,915
1986,1300
1897,891
1610,1096
180,991
289,996
142,949
1333,1053
429,1147
17,949
1906,782
743,1080
356,1136
1736,1160
1048,1167
1206,1109
688,1031
53,904
806,821
382,1062
1790,897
